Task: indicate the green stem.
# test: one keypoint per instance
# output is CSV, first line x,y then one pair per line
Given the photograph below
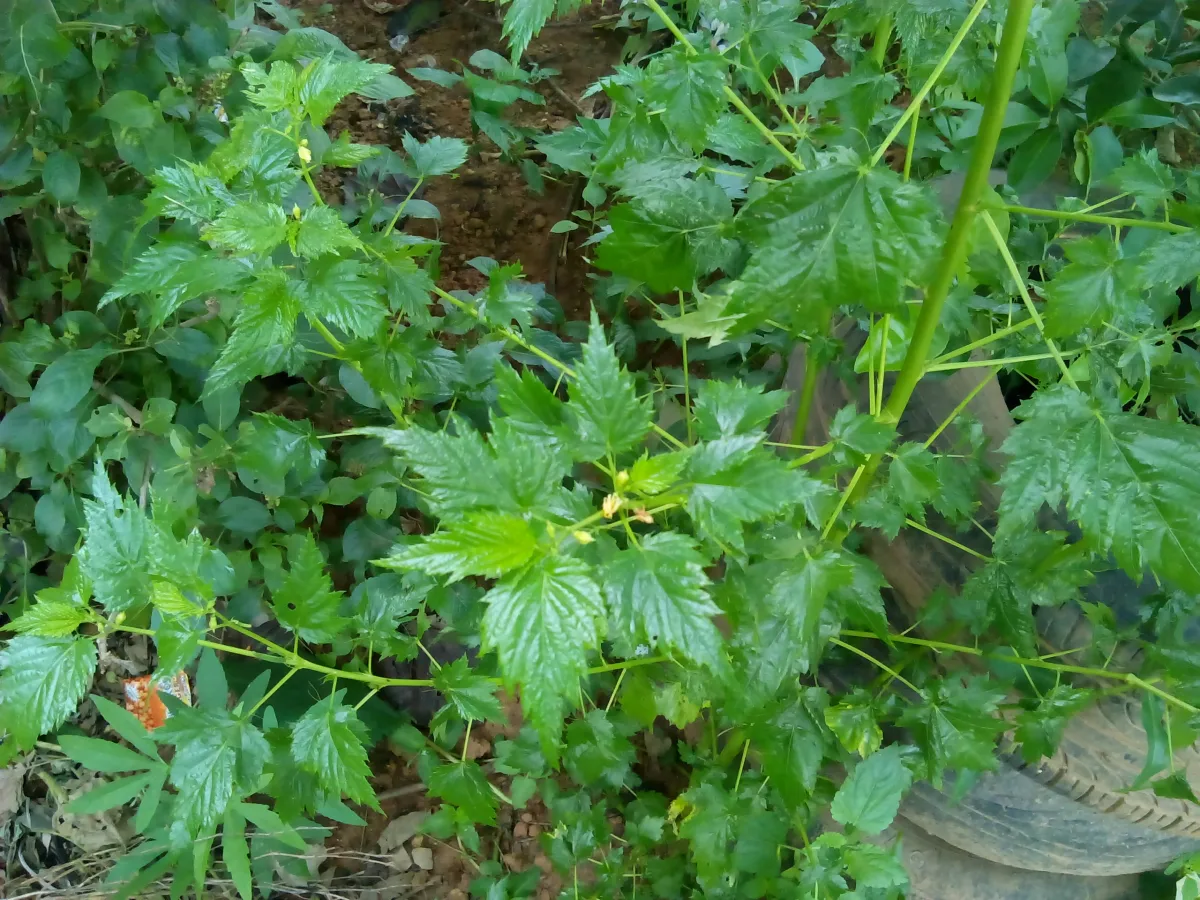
x,y
983,342
1115,221
954,413
954,251
918,98
1089,671
400,208
808,393
628,664
882,666
913,523
269,694
881,40
912,144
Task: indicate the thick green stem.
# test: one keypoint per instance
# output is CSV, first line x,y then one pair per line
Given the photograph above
x,y
881,40
954,250
808,392
1116,221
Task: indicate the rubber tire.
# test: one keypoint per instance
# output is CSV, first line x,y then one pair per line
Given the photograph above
x,y
938,871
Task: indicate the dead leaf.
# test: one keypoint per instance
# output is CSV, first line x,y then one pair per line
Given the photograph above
x,y
399,831
11,792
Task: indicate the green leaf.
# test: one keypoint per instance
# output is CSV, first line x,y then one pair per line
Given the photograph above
x,y
1172,260
487,544
598,751
956,726
853,719
235,853
326,81
190,192
1150,181
875,868
1039,730
465,785
130,109
730,408
126,725
51,618
792,745
272,448
249,228
472,695
344,153
522,20
688,88
306,603
541,621
103,756
66,381
328,741
1097,286
263,334
172,274
42,681
529,406
217,757
834,236
733,480
609,415
656,474
273,90
322,231
869,798
658,594
177,641
436,156
1127,480
60,176
109,795
266,819
671,235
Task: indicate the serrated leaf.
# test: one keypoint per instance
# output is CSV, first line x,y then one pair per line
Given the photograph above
x,y
670,236
1126,479
689,89
956,726
792,745
912,478
730,408
189,191
1095,287
1172,260
1040,729
598,751
733,480
436,156
305,602
272,89
834,236
652,475
522,20
51,618
658,594
172,274
217,756
343,152
465,785
177,641
853,719
249,228
339,291
42,681
529,406
487,544
103,756
328,741
321,231
472,695
325,82
541,621
870,796
262,336
875,868
1150,181
609,415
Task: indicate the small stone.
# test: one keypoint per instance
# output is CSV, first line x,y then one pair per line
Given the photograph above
x,y
457,894
512,863
535,830
419,841
520,830
539,221
543,862
527,818
423,857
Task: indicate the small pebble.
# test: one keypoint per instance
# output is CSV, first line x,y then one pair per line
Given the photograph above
x,y
520,830
456,894
527,818
539,221
511,861
543,862
423,857
535,830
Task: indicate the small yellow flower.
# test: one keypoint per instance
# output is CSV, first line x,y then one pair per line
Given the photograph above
x,y
611,504
582,536
642,516
304,153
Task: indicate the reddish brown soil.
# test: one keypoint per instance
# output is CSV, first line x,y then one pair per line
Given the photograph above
x,y
487,208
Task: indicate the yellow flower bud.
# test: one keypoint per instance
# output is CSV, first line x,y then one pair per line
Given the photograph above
x,y
610,506
582,536
304,153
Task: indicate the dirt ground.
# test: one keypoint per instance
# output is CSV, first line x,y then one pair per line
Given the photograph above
x,y
487,208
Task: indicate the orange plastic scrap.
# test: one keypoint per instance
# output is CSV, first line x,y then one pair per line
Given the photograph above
x,y
141,697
